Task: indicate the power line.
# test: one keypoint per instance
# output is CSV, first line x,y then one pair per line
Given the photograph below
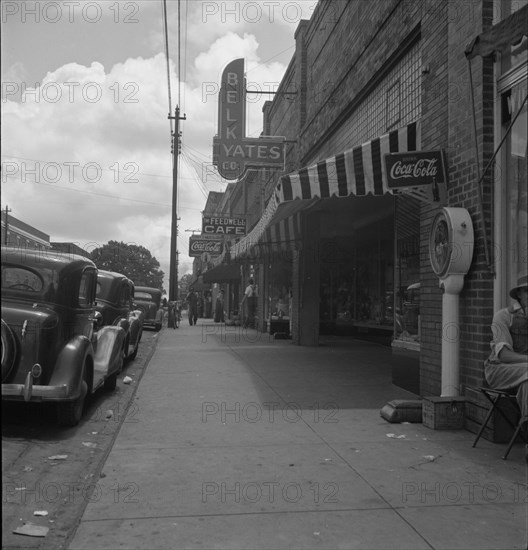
x,y
179,53
201,187
119,197
166,37
269,59
99,167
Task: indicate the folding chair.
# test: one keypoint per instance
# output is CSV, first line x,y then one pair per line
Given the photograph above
x,y
495,397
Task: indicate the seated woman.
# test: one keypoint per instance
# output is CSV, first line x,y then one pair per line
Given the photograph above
x,y
507,366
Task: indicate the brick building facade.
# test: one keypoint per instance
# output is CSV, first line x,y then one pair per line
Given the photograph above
x,y
18,233
365,69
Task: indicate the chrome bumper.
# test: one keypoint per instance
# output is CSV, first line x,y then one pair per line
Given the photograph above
x,y
29,391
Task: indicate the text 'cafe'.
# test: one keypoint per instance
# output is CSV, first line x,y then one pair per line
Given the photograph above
x,y
215,225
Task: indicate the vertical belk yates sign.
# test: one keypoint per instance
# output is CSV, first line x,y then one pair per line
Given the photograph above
x,y
233,152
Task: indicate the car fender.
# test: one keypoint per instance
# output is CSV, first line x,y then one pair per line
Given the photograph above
x,y
69,367
124,324
108,356
159,316
136,324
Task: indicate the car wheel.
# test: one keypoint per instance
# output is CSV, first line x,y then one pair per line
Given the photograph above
x,y
126,347
110,383
70,412
133,355
158,327
8,350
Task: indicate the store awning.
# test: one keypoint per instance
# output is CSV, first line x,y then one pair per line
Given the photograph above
x,y
359,171
508,32
223,273
198,284
284,229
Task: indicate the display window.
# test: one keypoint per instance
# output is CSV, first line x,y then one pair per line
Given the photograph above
x,y
511,190
278,306
407,271
356,290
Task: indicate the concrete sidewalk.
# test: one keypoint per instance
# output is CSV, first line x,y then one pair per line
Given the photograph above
x,y
241,442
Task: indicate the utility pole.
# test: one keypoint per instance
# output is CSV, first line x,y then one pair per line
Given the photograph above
x,y
173,275
7,210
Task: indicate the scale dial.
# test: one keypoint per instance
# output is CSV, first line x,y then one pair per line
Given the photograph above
x,y
451,242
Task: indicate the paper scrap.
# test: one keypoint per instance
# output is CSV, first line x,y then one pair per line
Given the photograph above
x,y
31,530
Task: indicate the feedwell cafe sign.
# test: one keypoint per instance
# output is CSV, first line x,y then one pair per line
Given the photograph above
x,y
233,152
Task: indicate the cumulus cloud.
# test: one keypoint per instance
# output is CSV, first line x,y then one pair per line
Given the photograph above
x,y
87,154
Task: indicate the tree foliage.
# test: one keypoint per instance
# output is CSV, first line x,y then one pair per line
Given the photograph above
x,y
132,260
184,284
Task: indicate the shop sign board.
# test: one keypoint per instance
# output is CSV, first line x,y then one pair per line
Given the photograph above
x,y
233,152
418,169
218,225
199,245
415,168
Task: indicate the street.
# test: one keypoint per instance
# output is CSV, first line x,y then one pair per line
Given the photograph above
x,y
55,471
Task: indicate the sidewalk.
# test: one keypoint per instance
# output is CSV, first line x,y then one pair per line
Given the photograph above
x,y
242,442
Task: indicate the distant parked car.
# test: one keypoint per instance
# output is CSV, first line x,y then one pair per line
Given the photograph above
x,y
148,300
54,346
115,294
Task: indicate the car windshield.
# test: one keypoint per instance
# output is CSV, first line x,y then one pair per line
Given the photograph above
x,y
22,278
104,286
143,296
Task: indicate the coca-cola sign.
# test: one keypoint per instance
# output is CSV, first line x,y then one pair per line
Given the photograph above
x,y
199,245
415,169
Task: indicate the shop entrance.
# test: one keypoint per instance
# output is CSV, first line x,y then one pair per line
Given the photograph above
x,y
357,270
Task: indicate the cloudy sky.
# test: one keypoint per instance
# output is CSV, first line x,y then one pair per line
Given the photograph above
x,y
85,134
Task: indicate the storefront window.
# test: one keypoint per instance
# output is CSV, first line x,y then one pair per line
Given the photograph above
x,y
278,307
356,284
407,271
516,177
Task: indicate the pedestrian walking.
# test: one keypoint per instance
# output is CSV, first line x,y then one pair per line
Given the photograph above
x,y
219,316
171,322
192,300
249,304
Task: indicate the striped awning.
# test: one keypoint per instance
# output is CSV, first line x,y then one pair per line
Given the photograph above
x,y
284,229
224,273
509,32
358,171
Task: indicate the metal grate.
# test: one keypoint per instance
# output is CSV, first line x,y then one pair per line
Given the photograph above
x,y
394,103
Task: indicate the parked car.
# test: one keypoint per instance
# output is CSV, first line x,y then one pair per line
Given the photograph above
x,y
148,300
115,294
54,347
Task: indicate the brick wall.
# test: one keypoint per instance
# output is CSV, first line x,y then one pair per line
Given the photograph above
x,y
435,122
476,299
347,44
